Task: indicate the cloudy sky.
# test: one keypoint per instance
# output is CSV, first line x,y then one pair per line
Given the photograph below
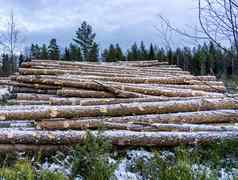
x,y
114,21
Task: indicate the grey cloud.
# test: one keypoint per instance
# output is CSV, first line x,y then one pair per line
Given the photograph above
x,y
122,21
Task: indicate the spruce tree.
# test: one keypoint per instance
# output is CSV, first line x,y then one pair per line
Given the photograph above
x,y
151,55
130,56
143,51
93,53
75,53
135,52
53,50
35,51
119,55
66,56
85,38
21,59
111,57
44,52
104,55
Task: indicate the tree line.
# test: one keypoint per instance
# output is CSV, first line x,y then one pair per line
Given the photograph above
x,y
204,59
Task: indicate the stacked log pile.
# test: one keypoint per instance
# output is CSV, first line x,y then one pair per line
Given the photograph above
x,y
147,103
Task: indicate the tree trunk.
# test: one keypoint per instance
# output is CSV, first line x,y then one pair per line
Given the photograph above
x,y
34,97
97,123
120,109
120,138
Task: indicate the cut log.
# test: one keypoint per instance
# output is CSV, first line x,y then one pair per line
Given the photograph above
x,y
26,102
32,85
84,93
107,101
33,90
46,70
34,97
200,117
208,88
97,94
120,138
120,109
17,124
169,92
51,80
6,148
147,80
97,123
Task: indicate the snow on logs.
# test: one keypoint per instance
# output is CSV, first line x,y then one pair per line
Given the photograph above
x,y
120,137
138,103
116,110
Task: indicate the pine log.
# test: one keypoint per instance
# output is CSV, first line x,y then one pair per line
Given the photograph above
x,y
104,101
63,82
120,138
169,92
84,93
87,66
106,72
120,109
26,102
95,86
6,148
53,71
96,123
208,88
148,80
33,90
97,94
17,124
200,117
34,97
32,85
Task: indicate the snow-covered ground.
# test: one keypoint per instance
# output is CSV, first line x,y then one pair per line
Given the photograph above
x,y
4,92
123,169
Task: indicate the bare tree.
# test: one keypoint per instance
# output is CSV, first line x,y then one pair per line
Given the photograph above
x,y
10,37
218,20
10,41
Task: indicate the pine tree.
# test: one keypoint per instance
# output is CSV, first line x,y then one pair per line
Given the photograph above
x,y
151,55
104,55
21,59
35,51
170,56
119,55
66,56
85,38
93,53
135,52
143,51
44,52
111,57
75,53
130,56
53,50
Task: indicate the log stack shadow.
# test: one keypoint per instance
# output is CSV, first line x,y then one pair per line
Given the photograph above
x,y
137,103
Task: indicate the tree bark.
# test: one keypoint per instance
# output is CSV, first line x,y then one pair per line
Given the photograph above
x,y
97,123
34,97
33,90
121,109
120,138
26,102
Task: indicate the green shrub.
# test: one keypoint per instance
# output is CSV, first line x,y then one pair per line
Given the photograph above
x,y
199,162
47,175
91,160
22,170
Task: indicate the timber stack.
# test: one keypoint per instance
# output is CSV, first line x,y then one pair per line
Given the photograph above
x,y
136,103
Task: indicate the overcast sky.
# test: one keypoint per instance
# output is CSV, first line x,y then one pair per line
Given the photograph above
x,y
114,21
